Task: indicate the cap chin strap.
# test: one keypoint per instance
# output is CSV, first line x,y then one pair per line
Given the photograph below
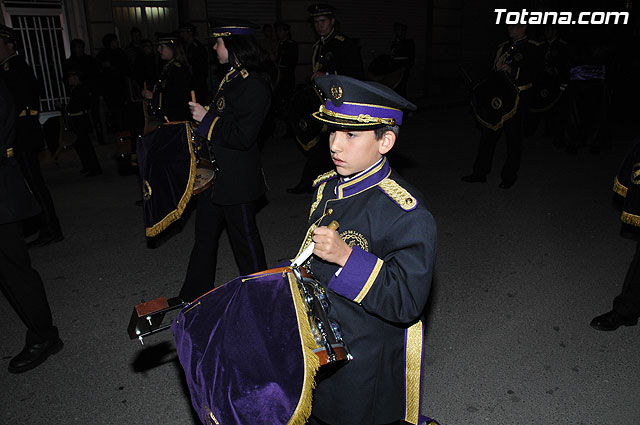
x,y
363,118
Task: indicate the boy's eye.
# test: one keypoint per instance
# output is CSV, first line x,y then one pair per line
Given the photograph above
x,y
351,135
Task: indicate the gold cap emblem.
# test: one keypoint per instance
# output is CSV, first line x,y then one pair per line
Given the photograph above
x,y
336,92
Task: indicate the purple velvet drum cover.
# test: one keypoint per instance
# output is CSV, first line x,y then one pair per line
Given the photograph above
x,y
246,350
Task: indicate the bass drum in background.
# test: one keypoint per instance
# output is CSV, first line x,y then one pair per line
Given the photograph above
x,y
545,93
494,100
305,101
383,69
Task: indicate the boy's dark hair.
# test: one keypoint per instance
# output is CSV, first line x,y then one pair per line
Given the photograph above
x,y
244,49
107,39
380,131
76,42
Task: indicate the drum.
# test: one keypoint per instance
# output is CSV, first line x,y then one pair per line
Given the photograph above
x,y
545,92
171,171
205,175
494,100
251,348
307,130
383,69
167,166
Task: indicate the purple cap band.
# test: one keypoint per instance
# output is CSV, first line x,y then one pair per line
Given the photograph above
x,y
356,109
230,30
588,72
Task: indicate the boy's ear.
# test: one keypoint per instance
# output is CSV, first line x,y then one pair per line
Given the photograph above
x,y
386,142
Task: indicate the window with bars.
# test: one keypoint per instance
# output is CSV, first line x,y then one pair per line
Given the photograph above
x,y
41,41
149,16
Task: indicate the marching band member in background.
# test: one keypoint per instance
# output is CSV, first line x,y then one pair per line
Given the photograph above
x,y
25,89
518,58
333,53
172,92
231,124
19,281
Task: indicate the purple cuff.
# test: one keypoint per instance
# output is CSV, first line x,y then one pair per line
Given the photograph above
x,y
204,129
372,110
357,275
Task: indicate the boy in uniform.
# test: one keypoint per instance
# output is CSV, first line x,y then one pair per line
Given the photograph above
x,y
376,268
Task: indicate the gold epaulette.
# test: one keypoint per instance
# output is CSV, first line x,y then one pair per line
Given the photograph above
x,y
339,37
324,177
178,64
561,41
535,43
398,194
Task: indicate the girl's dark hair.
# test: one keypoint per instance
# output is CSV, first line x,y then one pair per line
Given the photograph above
x,y
244,50
179,54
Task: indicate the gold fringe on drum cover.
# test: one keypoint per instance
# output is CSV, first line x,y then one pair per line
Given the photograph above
x,y
311,360
186,196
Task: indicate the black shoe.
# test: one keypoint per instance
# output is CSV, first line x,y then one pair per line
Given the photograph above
x,y
474,178
300,188
505,184
611,321
32,356
46,240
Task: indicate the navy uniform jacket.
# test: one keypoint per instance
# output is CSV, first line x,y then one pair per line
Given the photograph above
x,y
78,108
171,95
25,89
337,54
378,297
525,58
403,52
232,124
287,59
16,200
556,59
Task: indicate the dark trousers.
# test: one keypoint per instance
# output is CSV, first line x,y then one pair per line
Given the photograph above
x,y
588,110
22,285
28,143
211,219
84,148
628,302
513,129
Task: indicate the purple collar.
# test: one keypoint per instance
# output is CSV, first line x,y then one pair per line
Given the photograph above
x,y
365,181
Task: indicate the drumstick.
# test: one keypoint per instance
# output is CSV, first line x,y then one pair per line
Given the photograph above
x,y
304,255
193,96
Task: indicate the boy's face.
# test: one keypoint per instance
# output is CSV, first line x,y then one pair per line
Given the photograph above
x,y
355,151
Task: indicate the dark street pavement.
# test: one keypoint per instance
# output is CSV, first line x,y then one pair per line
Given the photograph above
x,y
520,273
